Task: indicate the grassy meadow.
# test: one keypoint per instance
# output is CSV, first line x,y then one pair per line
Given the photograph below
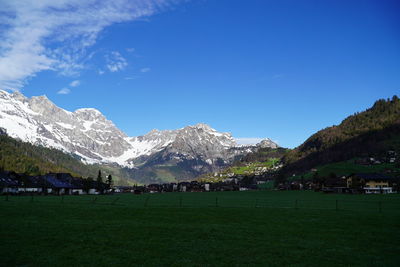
x,y
202,229
346,168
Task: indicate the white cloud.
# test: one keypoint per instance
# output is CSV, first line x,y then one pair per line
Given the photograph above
x,y
115,62
56,35
100,72
64,91
248,140
144,70
75,83
130,49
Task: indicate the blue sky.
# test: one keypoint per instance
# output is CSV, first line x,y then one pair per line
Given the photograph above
x,y
256,68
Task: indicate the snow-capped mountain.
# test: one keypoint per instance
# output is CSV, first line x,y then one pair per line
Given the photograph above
x,y
89,135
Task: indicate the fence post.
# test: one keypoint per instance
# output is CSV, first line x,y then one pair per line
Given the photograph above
x,y
336,205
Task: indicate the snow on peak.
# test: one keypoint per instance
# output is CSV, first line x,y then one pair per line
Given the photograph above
x,y
18,96
88,133
88,110
203,126
90,114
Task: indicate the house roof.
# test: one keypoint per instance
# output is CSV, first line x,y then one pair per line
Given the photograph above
x,y
52,180
373,176
7,180
68,179
34,181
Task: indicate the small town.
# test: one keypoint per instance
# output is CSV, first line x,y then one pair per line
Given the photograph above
x,y
65,184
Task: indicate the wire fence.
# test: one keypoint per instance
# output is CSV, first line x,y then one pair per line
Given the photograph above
x,y
187,201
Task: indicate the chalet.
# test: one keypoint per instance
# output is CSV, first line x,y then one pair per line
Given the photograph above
x,y
31,184
138,190
8,182
75,183
174,187
207,187
334,184
3,131
54,186
370,183
123,189
183,186
94,187
154,188
196,187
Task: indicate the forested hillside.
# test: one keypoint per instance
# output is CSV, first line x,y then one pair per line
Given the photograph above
x,y
364,134
23,157
262,155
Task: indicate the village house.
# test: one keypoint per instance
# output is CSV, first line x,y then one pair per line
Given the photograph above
x,y
75,183
55,186
31,184
370,183
8,182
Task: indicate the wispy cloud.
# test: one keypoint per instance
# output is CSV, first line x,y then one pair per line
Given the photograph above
x,y
56,35
64,91
115,61
144,70
75,83
130,49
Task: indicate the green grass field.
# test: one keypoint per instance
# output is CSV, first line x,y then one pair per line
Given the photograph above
x,y
268,228
346,168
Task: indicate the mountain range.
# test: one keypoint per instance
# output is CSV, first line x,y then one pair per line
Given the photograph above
x,y
158,156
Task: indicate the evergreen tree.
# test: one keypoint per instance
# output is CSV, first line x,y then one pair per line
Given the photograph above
x,y
99,181
99,177
109,181
87,184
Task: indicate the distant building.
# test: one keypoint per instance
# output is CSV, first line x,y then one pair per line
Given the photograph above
x,y
8,182
370,183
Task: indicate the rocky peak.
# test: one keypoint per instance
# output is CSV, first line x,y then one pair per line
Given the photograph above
x,y
89,114
42,104
18,96
267,143
202,126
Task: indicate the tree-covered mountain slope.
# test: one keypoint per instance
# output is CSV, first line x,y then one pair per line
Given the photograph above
x,y
23,157
367,134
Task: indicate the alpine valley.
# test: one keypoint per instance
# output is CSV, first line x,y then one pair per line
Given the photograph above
x,y
87,136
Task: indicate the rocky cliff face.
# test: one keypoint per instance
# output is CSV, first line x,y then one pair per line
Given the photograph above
x,y
85,132
88,134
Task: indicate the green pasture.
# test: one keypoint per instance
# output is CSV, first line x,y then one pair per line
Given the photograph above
x,y
346,168
266,228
